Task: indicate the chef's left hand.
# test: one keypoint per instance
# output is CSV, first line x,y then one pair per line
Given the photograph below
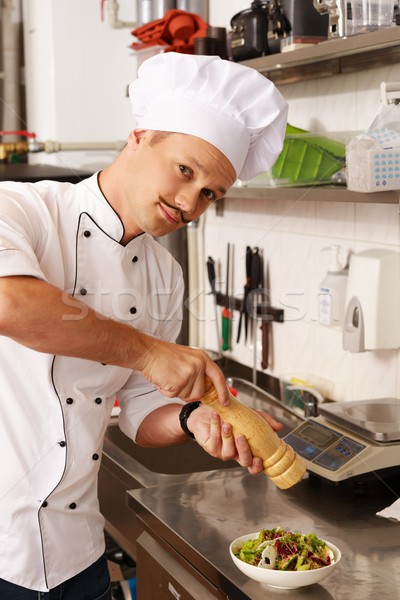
x,y
217,439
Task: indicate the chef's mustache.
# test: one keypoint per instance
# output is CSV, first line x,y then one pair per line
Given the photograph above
x,y
181,214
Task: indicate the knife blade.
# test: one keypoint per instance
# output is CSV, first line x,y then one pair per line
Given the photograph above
x,y
265,327
245,308
256,274
255,280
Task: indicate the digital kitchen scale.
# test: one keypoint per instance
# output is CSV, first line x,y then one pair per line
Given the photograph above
x,y
350,438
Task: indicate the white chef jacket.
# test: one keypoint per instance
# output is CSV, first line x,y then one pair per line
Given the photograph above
x,y
55,409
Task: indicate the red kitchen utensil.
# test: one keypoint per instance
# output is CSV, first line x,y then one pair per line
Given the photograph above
x,y
176,30
181,27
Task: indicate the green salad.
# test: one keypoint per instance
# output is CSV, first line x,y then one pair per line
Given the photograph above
x,y
285,550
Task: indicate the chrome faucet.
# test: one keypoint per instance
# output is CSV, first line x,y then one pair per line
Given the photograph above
x,y
337,15
310,405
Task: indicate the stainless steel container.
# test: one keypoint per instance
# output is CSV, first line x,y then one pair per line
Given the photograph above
x,y
151,10
160,7
199,7
144,11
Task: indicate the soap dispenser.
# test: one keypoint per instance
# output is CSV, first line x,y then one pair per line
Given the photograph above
x,y
332,291
372,318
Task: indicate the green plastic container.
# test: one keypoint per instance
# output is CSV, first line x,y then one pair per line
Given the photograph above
x,y
308,158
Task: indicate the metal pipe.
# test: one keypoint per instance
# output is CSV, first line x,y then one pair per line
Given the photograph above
x,y
50,146
10,26
199,7
113,20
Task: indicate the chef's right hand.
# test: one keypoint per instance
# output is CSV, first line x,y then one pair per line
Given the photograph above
x,y
218,440
179,371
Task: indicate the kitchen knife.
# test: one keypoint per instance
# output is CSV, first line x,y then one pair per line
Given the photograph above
x,y
255,279
245,309
265,329
212,279
226,313
256,270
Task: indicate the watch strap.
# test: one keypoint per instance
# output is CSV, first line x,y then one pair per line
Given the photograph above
x,y
187,410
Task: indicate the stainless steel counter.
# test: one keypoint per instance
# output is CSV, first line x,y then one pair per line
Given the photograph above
x,y
199,520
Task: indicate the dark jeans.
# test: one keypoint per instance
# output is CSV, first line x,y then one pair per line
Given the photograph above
x,y
91,584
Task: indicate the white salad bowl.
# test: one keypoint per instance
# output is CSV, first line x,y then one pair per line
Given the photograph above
x,y
282,579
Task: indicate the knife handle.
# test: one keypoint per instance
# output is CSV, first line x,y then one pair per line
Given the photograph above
x,y
265,331
239,327
226,328
211,274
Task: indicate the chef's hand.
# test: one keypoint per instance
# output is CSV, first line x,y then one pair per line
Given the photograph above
x,y
179,371
217,439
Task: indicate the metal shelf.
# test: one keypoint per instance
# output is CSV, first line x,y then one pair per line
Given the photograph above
x,y
332,57
316,193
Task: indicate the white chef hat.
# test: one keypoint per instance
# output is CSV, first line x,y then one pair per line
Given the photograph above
x,y
233,107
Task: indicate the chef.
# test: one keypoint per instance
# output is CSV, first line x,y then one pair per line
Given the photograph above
x,y
90,307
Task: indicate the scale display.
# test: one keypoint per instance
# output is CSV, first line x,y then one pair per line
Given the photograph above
x,y
350,438
323,446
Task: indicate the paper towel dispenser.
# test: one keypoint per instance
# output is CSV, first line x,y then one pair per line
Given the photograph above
x,y
372,317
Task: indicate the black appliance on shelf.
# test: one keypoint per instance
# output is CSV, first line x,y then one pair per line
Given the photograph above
x,y
256,30
305,20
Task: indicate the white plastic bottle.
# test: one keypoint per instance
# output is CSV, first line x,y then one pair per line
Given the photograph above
x,y
332,292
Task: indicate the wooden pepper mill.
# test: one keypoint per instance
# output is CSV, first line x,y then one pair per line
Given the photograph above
x,y
282,465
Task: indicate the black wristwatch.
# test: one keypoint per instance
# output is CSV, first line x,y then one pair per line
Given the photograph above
x,y
187,410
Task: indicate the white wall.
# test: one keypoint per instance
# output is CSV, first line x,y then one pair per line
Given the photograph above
x,y
77,72
221,11
292,234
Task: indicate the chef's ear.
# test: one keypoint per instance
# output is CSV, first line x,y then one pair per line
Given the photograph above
x,y
134,138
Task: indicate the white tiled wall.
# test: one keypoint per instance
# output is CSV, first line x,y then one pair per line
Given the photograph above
x,y
291,236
